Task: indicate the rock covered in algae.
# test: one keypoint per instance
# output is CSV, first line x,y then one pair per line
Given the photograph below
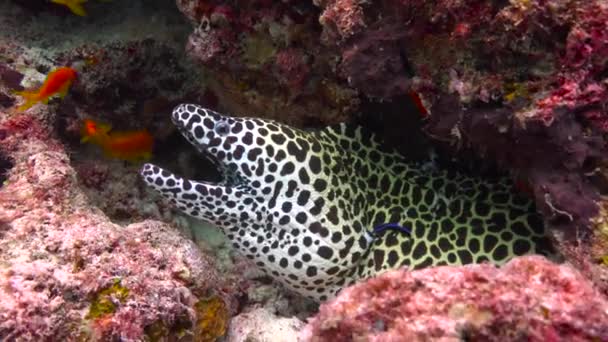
x,y
523,83
69,272
265,59
529,299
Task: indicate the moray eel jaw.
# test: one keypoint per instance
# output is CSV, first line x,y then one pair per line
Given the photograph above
x,y
263,205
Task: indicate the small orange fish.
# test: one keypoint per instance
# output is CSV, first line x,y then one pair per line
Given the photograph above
x,y
74,5
130,145
57,82
418,103
92,131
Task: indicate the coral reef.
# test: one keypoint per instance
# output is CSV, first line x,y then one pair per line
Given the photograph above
x,y
61,256
89,255
283,72
522,83
86,252
527,299
131,71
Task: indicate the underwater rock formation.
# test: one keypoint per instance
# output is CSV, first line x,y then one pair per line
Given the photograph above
x,y
69,272
130,68
528,299
130,276
521,82
264,58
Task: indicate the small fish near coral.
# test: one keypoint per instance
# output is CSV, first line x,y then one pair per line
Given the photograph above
x,y
57,82
133,146
320,210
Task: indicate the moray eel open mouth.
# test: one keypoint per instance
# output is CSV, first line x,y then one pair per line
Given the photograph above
x,y
226,177
302,204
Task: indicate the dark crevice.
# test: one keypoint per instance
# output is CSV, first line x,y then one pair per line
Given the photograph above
x,y
6,164
198,167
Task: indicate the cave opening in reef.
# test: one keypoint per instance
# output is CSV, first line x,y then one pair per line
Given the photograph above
x,y
6,164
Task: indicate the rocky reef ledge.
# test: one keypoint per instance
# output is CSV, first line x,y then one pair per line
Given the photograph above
x,y
529,299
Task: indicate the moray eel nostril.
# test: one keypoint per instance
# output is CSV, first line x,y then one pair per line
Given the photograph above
x,y
316,210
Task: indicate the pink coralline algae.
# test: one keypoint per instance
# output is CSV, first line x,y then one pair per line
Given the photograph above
x,y
70,274
523,83
292,69
264,59
528,299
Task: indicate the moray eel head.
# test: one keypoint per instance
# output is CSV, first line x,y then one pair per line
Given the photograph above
x,y
272,203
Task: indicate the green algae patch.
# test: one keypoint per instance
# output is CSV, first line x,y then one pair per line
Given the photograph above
x,y
181,330
258,51
102,304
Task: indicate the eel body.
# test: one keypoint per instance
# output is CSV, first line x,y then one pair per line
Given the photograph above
x,y
304,205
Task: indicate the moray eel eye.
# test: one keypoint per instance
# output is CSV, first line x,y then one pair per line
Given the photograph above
x,y
222,128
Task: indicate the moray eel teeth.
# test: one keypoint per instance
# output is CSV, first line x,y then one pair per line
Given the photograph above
x,y
303,205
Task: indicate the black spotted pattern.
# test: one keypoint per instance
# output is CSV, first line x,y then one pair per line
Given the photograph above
x,y
302,204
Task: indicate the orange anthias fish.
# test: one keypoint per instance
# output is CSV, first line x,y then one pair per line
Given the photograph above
x,y
92,131
418,103
129,145
74,5
57,82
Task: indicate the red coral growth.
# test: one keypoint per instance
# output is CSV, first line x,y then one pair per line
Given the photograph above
x,y
557,50
254,49
341,19
577,94
529,298
581,85
293,69
522,82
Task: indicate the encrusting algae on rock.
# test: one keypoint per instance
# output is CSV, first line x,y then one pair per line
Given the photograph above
x,y
211,319
528,299
106,300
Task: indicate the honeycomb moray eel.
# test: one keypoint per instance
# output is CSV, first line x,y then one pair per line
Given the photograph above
x,y
303,205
